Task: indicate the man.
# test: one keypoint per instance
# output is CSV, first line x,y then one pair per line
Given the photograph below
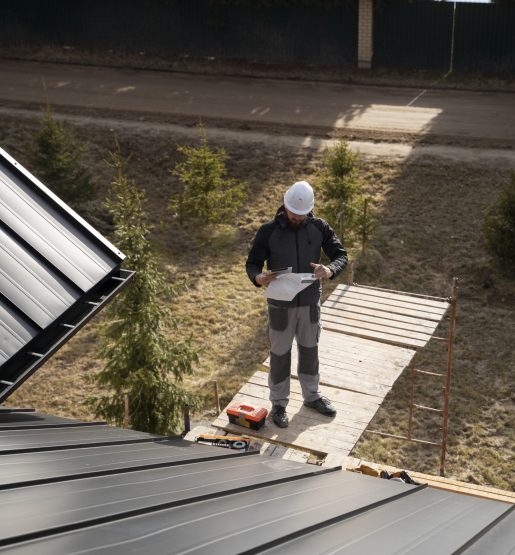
x,y
295,238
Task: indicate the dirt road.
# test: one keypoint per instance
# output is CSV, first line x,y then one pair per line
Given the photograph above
x,y
441,114
392,151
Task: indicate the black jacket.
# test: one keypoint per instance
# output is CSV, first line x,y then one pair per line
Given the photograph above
x,y
280,246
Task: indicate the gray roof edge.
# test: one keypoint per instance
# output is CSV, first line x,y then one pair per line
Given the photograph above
x,y
46,192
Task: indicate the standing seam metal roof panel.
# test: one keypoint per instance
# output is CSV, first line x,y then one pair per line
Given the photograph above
x,y
25,440
39,224
428,523
318,514
498,540
56,271
24,420
42,467
75,502
230,524
14,332
31,285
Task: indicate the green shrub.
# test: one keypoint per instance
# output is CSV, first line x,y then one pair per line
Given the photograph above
x,y
57,162
499,228
209,196
143,361
340,190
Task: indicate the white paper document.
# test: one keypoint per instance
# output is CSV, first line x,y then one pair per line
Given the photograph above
x,y
286,286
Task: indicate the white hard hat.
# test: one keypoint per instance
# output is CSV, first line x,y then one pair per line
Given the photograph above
x,y
299,198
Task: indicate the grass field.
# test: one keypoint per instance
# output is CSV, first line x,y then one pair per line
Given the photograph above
x,y
428,231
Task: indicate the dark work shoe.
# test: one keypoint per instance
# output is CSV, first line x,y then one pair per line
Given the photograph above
x,y
279,416
322,405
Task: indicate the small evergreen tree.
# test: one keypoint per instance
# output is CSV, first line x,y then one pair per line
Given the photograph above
x,y
57,161
340,189
499,228
209,196
142,361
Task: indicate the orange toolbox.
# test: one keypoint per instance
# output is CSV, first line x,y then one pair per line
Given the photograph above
x,y
246,415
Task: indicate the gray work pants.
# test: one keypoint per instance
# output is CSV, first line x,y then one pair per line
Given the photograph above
x,y
303,324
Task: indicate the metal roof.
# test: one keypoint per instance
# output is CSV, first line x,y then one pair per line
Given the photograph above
x,y
107,490
56,271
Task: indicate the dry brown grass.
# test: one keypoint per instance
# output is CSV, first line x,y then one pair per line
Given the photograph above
x,y
429,231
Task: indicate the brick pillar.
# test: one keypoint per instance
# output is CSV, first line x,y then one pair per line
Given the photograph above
x,y
365,34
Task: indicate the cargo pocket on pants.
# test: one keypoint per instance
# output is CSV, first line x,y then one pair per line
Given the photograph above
x,y
314,313
277,318
314,316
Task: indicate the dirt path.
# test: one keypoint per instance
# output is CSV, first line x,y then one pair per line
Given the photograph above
x,y
397,152
463,115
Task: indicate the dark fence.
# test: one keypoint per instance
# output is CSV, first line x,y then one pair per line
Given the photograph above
x,y
485,38
412,34
418,34
292,34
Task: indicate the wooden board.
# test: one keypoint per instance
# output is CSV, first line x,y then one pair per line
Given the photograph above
x,y
388,309
364,349
438,482
378,336
424,300
344,307
407,323
265,448
368,324
395,298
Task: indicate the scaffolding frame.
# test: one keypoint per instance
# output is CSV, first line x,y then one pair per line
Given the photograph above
x,y
446,378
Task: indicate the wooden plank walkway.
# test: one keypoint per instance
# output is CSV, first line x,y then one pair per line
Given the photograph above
x,y
369,337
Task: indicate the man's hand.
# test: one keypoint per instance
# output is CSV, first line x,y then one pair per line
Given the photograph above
x,y
265,279
320,271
